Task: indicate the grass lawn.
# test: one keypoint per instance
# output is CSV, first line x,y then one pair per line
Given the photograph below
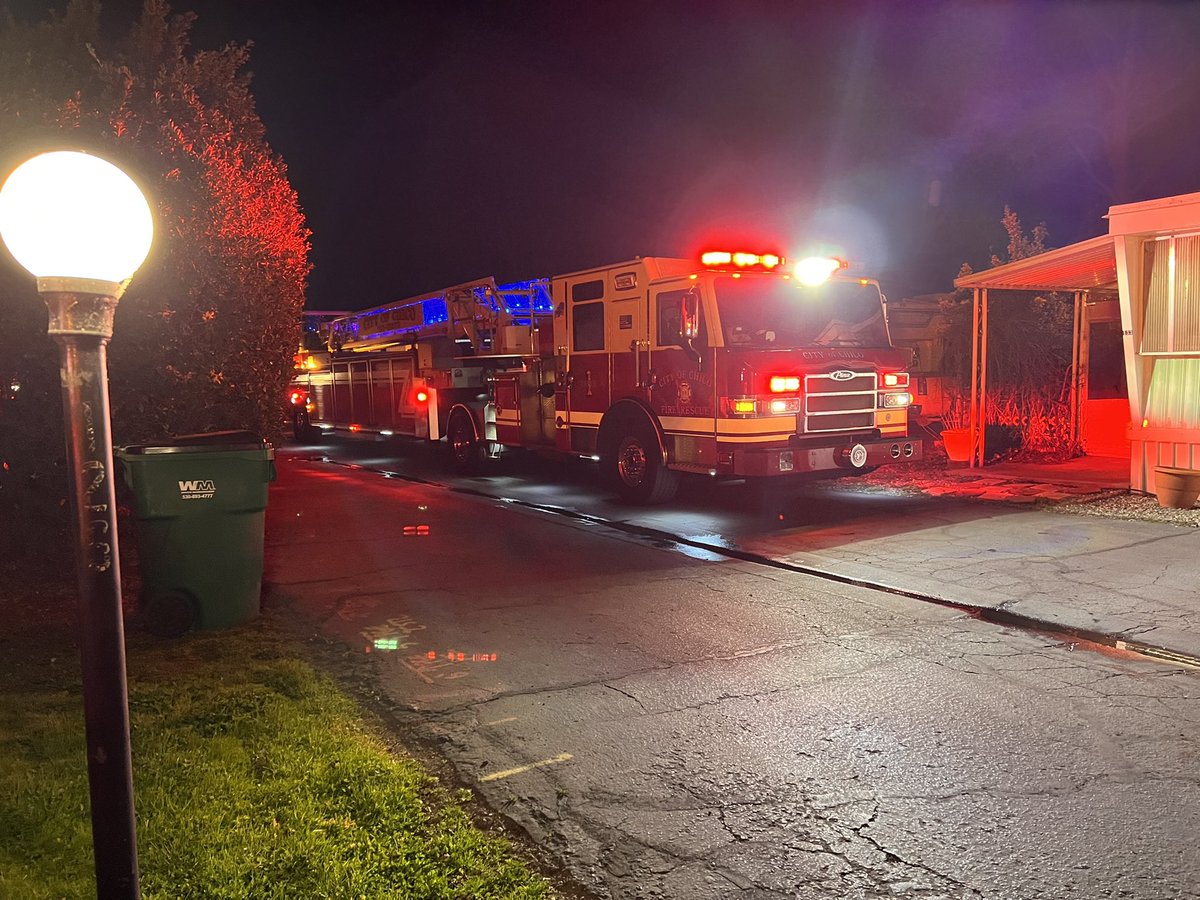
x,y
254,777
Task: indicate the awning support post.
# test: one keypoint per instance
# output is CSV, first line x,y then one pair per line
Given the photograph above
x,y
978,411
1076,329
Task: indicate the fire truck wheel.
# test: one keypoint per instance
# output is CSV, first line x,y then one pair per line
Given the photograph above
x,y
466,451
635,469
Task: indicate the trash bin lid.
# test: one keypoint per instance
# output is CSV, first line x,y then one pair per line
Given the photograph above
x,y
209,442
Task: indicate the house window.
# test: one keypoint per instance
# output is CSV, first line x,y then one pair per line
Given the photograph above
x,y
1172,278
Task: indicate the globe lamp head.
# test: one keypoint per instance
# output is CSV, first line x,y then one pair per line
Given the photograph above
x,y
70,215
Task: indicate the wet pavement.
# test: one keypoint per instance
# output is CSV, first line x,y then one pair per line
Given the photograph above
x,y
673,722
953,536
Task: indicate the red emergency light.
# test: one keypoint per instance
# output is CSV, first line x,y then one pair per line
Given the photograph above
x,y
740,259
781,384
422,396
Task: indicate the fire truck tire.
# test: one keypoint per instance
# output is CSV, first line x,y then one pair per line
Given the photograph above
x,y
467,454
634,468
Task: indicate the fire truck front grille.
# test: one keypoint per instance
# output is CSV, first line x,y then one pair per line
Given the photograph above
x,y
839,404
840,422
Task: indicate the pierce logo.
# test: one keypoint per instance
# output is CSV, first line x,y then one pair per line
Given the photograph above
x,y
197,490
841,375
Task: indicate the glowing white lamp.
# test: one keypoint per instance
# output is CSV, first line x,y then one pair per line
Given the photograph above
x,y
815,270
81,227
67,214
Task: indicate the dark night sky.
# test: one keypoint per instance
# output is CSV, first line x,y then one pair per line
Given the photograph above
x,y
436,142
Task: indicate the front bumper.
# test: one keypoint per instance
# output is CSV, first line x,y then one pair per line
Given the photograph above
x,y
849,457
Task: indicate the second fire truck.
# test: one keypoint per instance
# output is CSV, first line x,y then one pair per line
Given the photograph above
x,y
736,365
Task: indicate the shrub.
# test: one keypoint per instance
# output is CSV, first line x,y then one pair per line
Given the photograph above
x,y
205,335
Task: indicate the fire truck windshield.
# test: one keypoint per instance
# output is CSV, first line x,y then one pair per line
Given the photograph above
x,y
771,312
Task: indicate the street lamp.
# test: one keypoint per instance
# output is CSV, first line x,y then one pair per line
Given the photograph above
x,y
81,227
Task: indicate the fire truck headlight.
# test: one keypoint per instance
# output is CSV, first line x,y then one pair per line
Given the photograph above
x,y
815,270
781,407
893,401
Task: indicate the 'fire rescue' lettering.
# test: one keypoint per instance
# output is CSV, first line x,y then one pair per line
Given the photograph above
x,y
685,394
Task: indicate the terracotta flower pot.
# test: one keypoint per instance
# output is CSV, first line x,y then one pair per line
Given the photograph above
x,y
1176,488
957,442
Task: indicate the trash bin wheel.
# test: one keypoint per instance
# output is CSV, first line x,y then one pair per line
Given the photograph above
x,y
169,614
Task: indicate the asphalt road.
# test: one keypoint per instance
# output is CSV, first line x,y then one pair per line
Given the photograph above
x,y
673,723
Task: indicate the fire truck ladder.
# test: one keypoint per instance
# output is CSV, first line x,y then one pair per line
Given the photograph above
x,y
465,313
472,317
475,313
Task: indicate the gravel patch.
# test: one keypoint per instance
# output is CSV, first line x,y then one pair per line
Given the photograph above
x,y
933,478
1130,506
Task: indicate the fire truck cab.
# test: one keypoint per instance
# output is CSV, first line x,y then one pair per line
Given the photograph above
x,y
655,367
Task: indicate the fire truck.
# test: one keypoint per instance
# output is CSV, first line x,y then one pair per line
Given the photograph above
x,y
736,365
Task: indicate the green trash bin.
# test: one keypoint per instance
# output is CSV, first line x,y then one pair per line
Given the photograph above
x,y
200,502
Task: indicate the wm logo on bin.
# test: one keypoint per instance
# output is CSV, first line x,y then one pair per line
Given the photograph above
x,y
196,490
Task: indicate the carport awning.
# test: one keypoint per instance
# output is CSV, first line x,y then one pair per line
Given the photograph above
x,y
1088,265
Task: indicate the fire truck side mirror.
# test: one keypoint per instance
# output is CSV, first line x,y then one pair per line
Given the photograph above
x,y
689,325
689,319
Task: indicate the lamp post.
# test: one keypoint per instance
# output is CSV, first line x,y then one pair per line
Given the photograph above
x,y
81,227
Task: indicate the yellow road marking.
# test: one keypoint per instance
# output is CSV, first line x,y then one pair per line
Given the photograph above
x,y
508,773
